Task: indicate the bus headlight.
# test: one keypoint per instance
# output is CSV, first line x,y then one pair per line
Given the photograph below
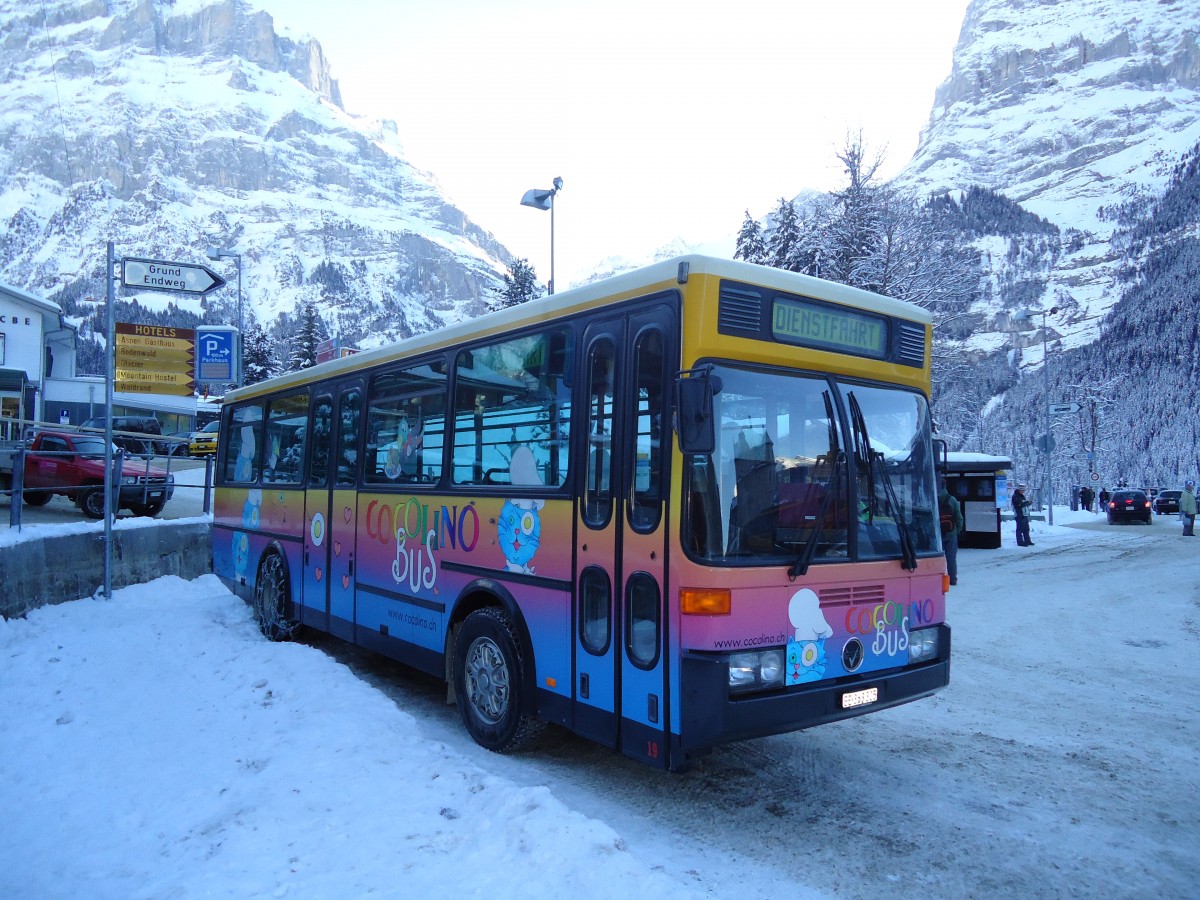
x,y
923,645
756,671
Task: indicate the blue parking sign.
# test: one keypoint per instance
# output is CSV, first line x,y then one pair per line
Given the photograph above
x,y
216,354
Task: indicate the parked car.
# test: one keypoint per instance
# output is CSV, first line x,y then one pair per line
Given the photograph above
x,y
204,441
1128,506
1167,502
177,443
132,426
73,465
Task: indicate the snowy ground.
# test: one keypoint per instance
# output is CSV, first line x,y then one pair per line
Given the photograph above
x,y
157,746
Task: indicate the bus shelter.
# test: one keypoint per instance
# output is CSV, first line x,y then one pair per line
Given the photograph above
x,y
980,482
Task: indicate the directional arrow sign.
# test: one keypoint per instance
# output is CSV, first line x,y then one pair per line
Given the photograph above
x,y
1058,409
158,275
155,359
172,383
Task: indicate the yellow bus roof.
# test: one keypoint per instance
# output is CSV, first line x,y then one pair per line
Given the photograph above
x,y
657,276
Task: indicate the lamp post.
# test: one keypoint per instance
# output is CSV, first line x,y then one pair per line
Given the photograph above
x,y
215,253
542,198
1025,315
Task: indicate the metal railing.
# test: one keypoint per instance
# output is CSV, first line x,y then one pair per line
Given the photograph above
x,y
13,455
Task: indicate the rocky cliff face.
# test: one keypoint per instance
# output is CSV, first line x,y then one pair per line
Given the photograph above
x,y
1074,110
169,126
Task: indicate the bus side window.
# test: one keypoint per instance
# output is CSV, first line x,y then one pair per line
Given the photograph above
x,y
242,451
406,420
287,427
512,412
322,438
597,505
648,466
347,467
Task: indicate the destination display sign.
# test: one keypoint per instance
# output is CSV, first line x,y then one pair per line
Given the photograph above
x,y
155,359
827,327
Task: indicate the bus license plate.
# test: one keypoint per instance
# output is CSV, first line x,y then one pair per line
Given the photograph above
x,y
860,698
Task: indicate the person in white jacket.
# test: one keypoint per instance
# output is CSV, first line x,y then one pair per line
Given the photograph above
x,y
1187,508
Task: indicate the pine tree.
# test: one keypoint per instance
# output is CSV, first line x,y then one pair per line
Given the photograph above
x,y
520,285
750,246
310,331
856,229
259,363
782,241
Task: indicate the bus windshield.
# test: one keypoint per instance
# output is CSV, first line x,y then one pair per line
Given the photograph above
x,y
810,467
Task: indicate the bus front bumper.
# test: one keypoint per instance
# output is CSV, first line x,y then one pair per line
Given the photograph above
x,y
711,716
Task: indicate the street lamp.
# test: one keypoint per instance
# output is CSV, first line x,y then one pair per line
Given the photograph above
x,y
214,253
542,198
1025,315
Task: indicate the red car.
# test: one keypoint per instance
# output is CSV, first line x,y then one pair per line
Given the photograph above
x,y
73,465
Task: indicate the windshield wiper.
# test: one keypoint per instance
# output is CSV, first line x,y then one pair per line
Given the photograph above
x,y
907,552
804,560
838,458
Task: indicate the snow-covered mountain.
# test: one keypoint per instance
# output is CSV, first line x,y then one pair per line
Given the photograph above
x,y
1076,110
170,126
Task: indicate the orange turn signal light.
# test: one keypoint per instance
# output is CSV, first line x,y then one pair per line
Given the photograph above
x,y
705,601
945,584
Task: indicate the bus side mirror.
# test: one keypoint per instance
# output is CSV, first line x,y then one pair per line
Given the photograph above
x,y
695,422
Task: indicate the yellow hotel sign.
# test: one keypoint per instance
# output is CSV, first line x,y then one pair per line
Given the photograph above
x,y
155,359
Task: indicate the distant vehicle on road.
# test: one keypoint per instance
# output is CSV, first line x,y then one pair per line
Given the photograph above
x,y
1167,502
1128,506
204,441
177,443
133,426
72,464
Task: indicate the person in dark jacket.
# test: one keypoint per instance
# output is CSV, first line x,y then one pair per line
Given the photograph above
x,y
1086,496
1020,505
950,534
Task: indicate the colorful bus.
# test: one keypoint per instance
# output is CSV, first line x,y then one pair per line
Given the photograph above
x,y
683,506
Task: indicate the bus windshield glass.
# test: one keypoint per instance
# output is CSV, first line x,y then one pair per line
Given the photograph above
x,y
797,474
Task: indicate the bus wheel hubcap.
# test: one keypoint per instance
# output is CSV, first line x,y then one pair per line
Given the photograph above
x,y
487,680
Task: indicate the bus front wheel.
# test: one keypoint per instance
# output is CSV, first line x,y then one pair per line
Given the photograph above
x,y
489,675
273,600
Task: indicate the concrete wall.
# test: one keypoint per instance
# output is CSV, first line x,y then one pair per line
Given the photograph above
x,y
67,567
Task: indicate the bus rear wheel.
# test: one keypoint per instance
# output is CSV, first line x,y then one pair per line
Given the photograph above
x,y
489,677
273,599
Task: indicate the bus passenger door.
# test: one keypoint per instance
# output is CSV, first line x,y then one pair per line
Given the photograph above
x,y
597,628
645,439
620,635
331,504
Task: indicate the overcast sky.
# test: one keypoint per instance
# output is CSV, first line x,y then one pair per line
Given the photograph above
x,y
664,119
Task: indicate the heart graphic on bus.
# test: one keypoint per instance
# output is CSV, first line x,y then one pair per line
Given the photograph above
x,y
347,514
319,573
337,548
345,582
